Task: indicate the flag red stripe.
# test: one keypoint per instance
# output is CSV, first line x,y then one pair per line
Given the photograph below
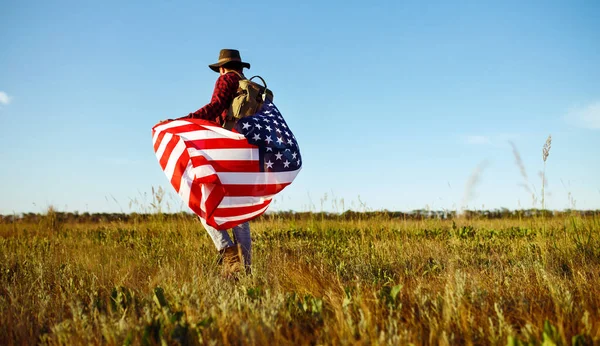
x,y
159,139
195,198
212,202
253,190
168,150
179,169
218,143
232,212
227,166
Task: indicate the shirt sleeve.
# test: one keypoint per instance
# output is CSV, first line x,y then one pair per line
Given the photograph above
x,y
224,93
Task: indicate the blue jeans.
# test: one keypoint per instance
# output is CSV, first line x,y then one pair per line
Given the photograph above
x,y
241,235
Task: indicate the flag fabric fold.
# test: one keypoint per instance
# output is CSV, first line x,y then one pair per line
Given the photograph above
x,y
228,177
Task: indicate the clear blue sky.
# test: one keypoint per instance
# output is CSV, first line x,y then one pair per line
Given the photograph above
x,y
395,104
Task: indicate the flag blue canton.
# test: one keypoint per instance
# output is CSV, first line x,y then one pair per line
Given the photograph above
x,y
278,148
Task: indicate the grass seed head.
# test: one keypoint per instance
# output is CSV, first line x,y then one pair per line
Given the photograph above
x,y
546,149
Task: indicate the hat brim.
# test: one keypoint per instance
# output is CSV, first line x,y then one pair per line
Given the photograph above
x,y
215,66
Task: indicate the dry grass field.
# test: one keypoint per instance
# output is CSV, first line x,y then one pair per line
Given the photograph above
x,y
316,281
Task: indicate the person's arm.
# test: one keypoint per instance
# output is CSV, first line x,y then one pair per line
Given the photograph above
x,y
225,90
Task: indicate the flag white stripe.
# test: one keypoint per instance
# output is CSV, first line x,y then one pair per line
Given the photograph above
x,y
232,202
161,128
163,145
225,133
226,154
222,220
171,124
186,184
174,158
206,134
206,190
262,178
203,171
206,226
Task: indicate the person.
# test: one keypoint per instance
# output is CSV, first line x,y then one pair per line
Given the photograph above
x,y
235,253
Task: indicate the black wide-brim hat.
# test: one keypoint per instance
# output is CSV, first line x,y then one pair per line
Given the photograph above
x,y
228,55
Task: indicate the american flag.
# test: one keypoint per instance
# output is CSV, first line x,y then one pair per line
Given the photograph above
x,y
228,177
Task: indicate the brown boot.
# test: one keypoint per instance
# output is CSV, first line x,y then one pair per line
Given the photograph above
x,y
232,261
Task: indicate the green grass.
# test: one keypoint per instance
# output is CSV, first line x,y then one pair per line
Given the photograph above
x,y
316,281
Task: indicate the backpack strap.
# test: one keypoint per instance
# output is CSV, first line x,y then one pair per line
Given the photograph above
x,y
241,78
228,118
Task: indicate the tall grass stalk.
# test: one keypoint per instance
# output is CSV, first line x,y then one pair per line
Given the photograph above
x,y
545,154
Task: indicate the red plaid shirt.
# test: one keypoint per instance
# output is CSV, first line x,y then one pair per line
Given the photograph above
x,y
225,90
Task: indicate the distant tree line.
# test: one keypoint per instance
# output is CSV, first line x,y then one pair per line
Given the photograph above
x,y
421,214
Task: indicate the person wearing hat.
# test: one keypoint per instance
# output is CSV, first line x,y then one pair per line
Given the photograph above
x,y
229,67
236,253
